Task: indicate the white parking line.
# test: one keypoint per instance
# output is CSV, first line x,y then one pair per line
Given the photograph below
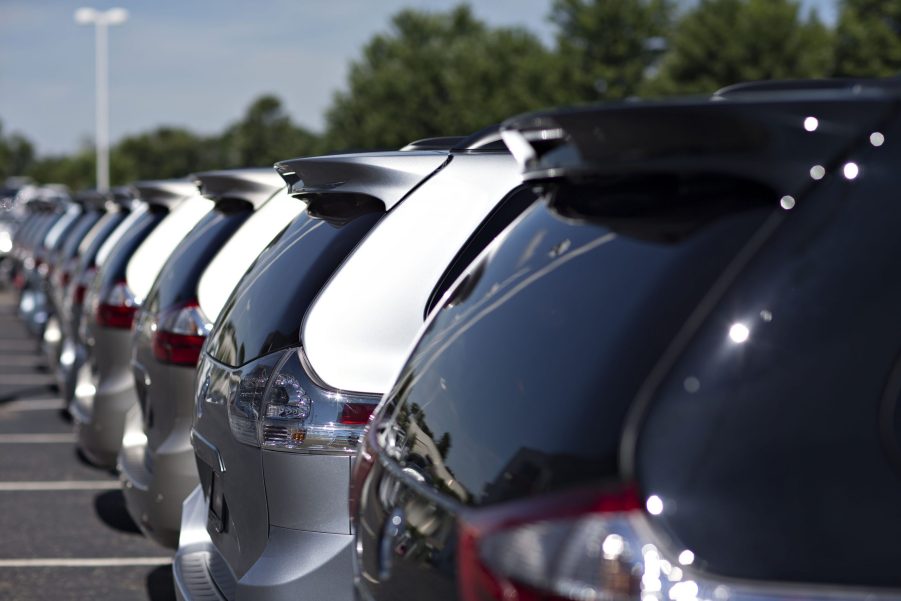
x,y
21,360
60,485
26,379
36,438
99,562
32,405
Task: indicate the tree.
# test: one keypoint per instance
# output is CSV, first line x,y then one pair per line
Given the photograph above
x,y
263,136
607,46
165,152
721,42
16,154
438,74
868,39
75,170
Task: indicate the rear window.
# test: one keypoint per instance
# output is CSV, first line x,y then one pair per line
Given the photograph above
x,y
774,440
264,312
115,264
177,280
521,382
81,227
151,255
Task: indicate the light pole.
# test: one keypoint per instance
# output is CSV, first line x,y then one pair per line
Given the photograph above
x,y
101,21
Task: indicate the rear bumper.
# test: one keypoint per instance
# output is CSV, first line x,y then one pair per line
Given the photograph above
x,y
99,411
156,484
295,564
71,358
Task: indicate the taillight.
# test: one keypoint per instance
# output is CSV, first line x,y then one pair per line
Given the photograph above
x,y
64,278
578,546
276,404
180,334
117,308
84,282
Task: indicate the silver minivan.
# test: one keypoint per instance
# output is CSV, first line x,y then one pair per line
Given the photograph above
x,y
104,390
291,373
156,462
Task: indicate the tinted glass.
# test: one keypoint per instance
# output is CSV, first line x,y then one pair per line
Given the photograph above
x,y
177,281
521,382
266,309
92,242
773,442
68,223
81,227
41,231
503,214
114,268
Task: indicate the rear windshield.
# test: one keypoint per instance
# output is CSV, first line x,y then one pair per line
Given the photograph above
x,y
116,262
81,227
775,440
177,280
521,382
94,239
265,311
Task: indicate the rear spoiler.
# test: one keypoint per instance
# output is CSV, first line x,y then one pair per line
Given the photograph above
x,y
164,192
385,176
91,199
255,186
770,140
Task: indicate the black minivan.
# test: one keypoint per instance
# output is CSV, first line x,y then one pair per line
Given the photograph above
x,y
676,376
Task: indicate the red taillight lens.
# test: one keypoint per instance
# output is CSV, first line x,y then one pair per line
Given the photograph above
x,y
116,309
180,335
81,287
356,414
78,294
584,545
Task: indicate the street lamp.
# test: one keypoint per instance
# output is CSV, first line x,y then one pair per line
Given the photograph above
x,y
101,20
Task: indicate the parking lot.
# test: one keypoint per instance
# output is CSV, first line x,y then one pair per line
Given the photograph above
x,y
63,525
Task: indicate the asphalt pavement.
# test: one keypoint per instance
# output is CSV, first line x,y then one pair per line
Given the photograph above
x,y
64,530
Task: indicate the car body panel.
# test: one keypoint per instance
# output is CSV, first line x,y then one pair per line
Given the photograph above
x,y
231,262
360,347
148,260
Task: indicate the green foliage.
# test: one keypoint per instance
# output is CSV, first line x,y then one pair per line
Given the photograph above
x,y
868,39
607,46
265,135
446,73
439,74
16,154
165,152
721,42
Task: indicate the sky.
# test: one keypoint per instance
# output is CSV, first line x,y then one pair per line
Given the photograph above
x,y
200,63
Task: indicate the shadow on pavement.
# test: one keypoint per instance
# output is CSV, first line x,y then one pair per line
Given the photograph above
x,y
160,585
110,508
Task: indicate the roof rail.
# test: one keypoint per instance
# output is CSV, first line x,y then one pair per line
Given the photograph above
x,y
436,143
485,140
849,84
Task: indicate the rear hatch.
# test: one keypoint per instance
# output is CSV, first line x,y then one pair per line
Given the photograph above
x,y
242,197
345,195
147,261
521,385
